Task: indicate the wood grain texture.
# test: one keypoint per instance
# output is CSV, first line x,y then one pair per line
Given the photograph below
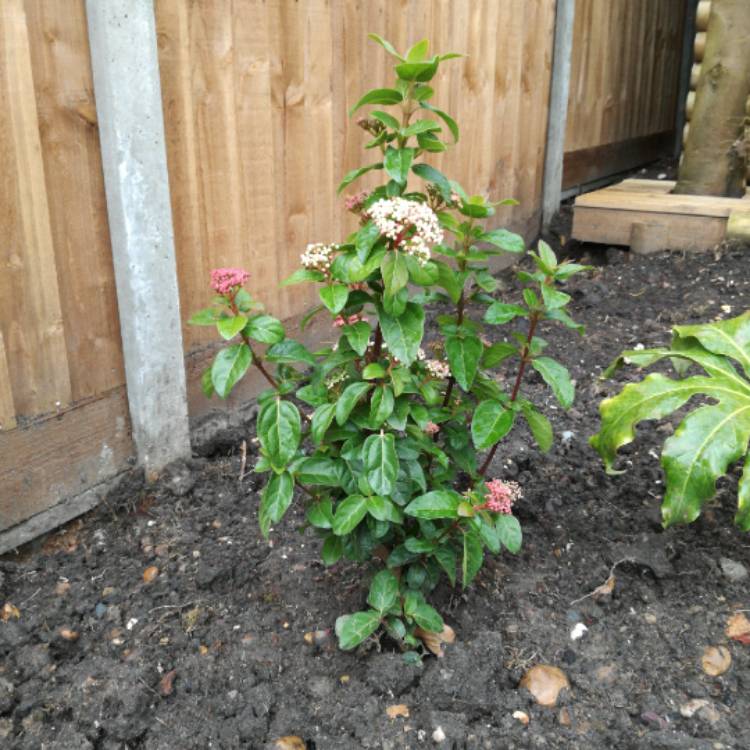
x,y
7,408
256,96
625,71
30,310
43,463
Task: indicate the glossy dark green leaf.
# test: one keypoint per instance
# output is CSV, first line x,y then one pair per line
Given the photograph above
x,y
351,630
380,462
265,328
355,173
499,313
557,378
279,431
228,367
334,297
404,333
358,335
435,504
348,400
505,240
491,423
383,592
289,351
378,96
397,162
349,513
301,275
275,500
229,327
446,118
395,271
381,406
332,550
509,531
473,557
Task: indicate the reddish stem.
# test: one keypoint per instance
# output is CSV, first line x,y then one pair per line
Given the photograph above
x,y
517,385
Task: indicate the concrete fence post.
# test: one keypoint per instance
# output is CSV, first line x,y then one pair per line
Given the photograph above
x,y
122,35
558,109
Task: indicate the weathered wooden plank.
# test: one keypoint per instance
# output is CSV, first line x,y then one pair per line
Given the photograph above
x,y
7,408
75,193
30,310
48,461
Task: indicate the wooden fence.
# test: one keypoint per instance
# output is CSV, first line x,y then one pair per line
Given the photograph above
x,y
624,86
255,96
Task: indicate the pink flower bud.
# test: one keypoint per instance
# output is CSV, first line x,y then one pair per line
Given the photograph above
x,y
225,280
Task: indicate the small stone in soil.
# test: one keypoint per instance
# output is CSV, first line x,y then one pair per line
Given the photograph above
x,y
733,570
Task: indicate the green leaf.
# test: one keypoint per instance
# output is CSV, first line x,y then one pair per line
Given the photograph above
x,y
386,45
319,470
279,431
275,500
449,280
505,240
403,334
418,52
397,163
289,351
395,271
381,406
742,519
373,371
266,329
301,275
435,504
383,591
228,328
229,366
499,313
358,335
430,142
320,514
557,377
321,421
539,425
509,531
490,424
378,96
388,120
334,297
420,126
205,317
464,352
447,119
380,462
348,514
207,383
553,298
332,550
730,338
417,71
430,174
351,630
546,255
447,559
497,353
473,557
348,400
427,618
383,509
356,173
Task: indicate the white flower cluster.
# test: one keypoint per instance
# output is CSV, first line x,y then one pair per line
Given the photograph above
x,y
318,257
396,217
438,369
334,379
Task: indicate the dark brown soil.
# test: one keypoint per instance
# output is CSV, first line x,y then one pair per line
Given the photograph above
x,y
211,654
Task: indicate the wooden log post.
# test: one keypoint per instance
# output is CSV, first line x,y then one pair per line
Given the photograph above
x,y
125,65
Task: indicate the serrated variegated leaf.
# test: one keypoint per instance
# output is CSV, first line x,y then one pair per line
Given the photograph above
x,y
351,630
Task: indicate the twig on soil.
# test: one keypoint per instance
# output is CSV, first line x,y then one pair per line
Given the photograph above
x,y
598,589
176,606
26,601
243,460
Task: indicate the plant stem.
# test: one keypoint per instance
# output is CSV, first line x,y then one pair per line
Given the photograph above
x,y
525,359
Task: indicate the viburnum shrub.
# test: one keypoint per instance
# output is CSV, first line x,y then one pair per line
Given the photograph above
x,y
710,438
389,438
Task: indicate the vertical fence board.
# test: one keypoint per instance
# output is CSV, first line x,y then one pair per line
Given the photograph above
x,y
30,311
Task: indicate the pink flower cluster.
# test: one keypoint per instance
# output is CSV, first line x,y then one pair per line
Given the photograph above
x,y
501,495
340,321
431,428
224,280
355,202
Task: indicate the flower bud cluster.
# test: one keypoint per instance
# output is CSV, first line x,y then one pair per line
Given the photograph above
x,y
501,495
355,203
318,257
412,226
225,280
438,368
340,321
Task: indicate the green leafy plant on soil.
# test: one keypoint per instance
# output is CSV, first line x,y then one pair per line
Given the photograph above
x,y
712,437
388,444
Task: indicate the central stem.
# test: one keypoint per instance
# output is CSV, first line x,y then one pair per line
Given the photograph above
x,y
525,359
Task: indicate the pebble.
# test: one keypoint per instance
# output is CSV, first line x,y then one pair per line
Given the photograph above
x,y
438,735
733,570
100,610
